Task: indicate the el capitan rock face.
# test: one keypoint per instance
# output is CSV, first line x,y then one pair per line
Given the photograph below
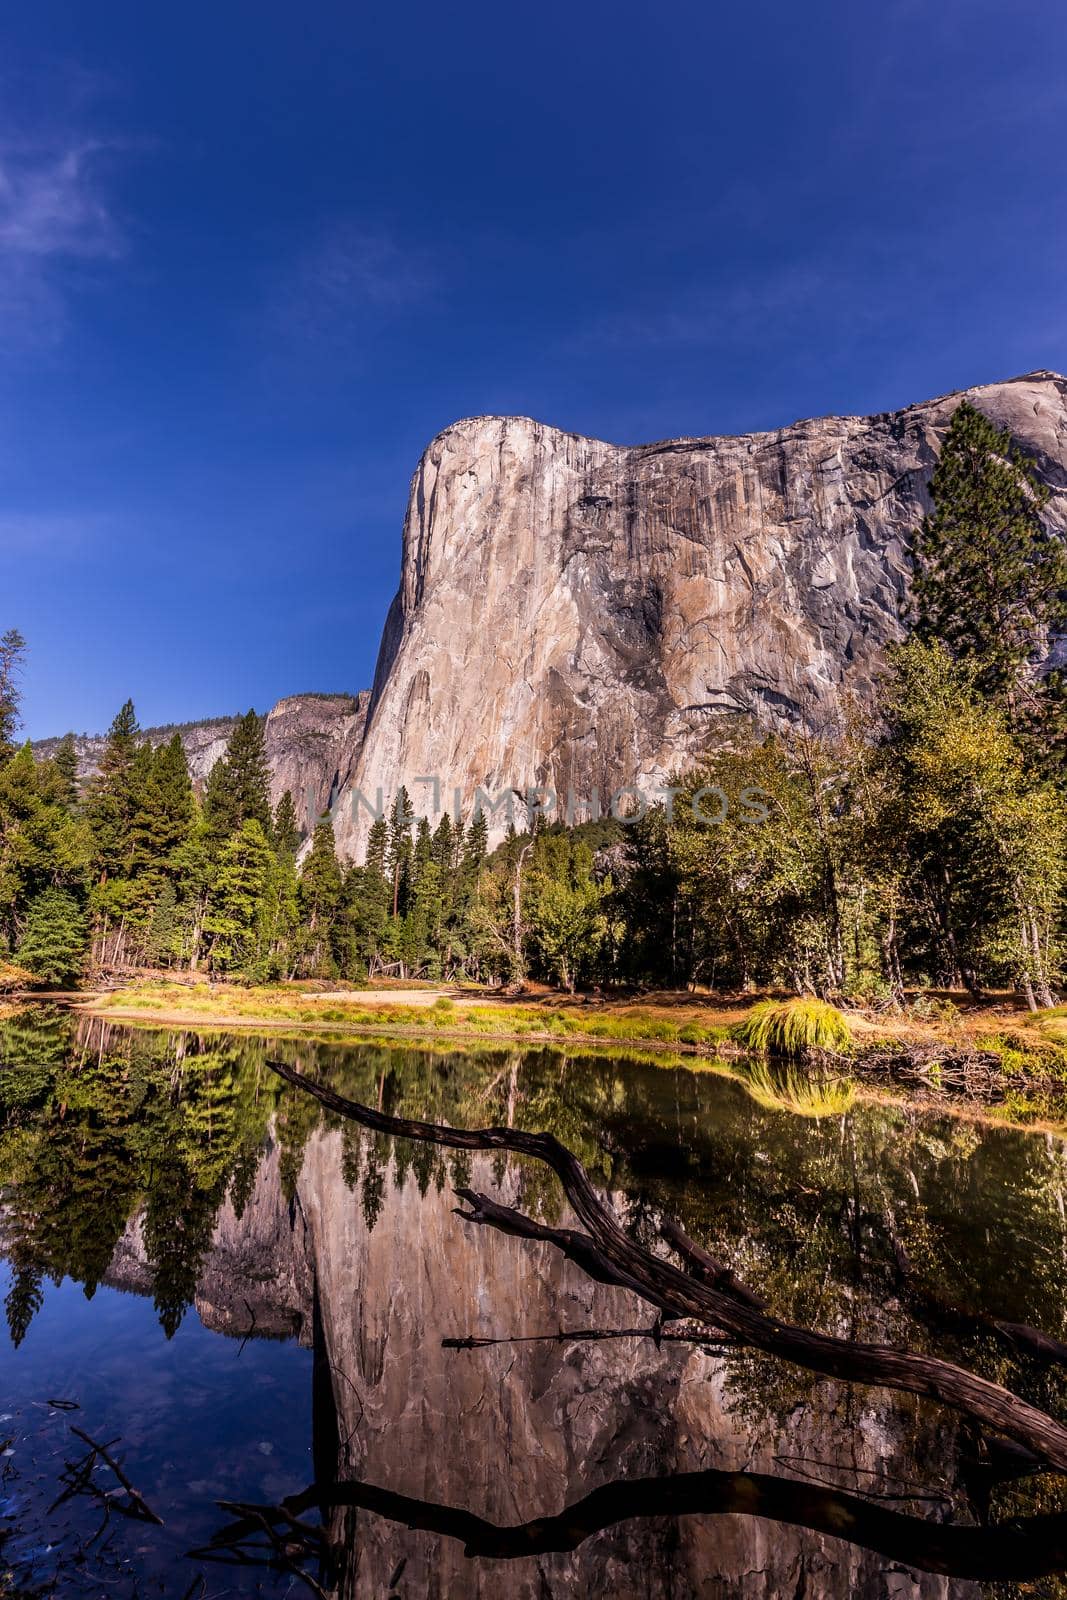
x,y
581,615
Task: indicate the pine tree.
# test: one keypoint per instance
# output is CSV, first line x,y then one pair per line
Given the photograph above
x,y
54,942
444,844
378,846
398,850
163,816
113,794
65,762
472,850
237,898
194,865
320,898
218,811
991,584
12,652
281,919
238,788
41,845
287,832
476,845
24,1299
367,899
163,935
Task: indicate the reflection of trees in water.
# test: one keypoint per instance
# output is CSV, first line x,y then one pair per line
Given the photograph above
x,y
95,1131
607,1255
101,1124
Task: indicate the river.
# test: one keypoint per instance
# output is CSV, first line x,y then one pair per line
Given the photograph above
x,y
236,1295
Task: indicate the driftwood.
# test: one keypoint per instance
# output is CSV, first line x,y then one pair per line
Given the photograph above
x,y
1023,1549
716,1274
677,1293
78,1479
272,1536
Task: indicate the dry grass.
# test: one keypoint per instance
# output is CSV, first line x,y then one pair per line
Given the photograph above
x,y
800,1027
205,1003
13,978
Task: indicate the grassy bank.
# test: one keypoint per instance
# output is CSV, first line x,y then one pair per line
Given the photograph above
x,y
421,1012
991,1051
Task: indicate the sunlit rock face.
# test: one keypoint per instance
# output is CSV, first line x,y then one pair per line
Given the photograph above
x,y
312,742
581,615
515,1431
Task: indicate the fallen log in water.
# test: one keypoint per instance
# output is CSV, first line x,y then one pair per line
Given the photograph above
x,y
677,1293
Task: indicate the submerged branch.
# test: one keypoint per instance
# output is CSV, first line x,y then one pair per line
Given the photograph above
x,y
677,1293
657,1333
1020,1550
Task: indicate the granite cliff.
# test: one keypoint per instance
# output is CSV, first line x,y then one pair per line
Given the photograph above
x,y
580,615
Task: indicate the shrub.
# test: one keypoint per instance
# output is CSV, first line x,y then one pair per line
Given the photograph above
x,y
13,978
793,1027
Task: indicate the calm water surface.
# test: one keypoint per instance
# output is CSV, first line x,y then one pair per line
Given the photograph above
x,y
239,1295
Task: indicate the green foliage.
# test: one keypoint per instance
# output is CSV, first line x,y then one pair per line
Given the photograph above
x,y
55,939
12,652
65,762
236,900
991,584
320,892
566,918
238,788
42,846
113,794
981,834
287,833
799,1027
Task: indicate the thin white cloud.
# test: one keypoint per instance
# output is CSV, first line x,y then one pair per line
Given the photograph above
x,y
706,317
46,533
54,216
50,204
350,277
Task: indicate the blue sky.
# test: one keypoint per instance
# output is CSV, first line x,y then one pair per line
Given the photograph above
x,y
253,256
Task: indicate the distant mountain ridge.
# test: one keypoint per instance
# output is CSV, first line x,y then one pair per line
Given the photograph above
x,y
312,741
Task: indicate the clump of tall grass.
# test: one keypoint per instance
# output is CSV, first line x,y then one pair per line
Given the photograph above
x,y
798,1027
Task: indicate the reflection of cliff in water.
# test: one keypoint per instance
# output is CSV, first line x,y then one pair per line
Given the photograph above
x,y
512,1431
280,1222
